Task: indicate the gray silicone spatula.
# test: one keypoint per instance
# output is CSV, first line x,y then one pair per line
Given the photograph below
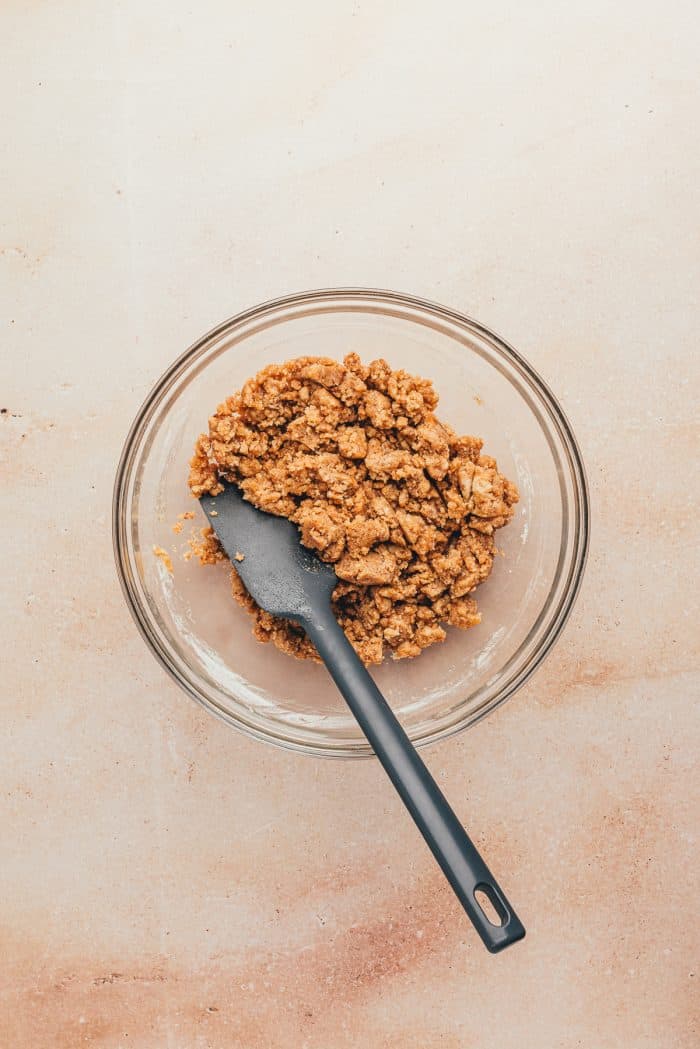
x,y
288,580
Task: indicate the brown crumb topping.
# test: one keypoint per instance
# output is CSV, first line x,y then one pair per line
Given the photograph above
x,y
181,518
402,506
165,557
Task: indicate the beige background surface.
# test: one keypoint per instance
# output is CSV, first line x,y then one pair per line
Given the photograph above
x,y
166,883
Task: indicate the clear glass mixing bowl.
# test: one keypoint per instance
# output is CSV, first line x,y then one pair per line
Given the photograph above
x,y
203,638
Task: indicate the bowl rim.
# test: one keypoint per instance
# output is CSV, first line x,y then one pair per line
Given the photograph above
x,y
580,491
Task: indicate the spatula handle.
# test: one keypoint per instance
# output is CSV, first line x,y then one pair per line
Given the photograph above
x,y
457,855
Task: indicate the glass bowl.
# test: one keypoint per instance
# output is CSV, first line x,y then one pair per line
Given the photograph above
x,y
203,638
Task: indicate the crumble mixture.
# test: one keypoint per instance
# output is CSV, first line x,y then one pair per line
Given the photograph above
x,y
403,507
164,557
180,523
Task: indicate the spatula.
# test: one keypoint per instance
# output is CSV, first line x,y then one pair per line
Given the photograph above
x,y
286,579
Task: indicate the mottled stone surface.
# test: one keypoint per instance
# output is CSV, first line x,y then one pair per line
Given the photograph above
x,y
166,883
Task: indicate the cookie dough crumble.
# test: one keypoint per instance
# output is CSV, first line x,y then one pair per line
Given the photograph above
x,y
181,518
165,557
402,506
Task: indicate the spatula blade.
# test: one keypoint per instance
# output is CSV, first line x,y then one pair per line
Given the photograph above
x,y
285,578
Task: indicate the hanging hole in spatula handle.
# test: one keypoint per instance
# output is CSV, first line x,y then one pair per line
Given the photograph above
x,y
497,925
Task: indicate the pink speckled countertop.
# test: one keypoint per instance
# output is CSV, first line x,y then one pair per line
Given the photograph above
x,y
165,882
